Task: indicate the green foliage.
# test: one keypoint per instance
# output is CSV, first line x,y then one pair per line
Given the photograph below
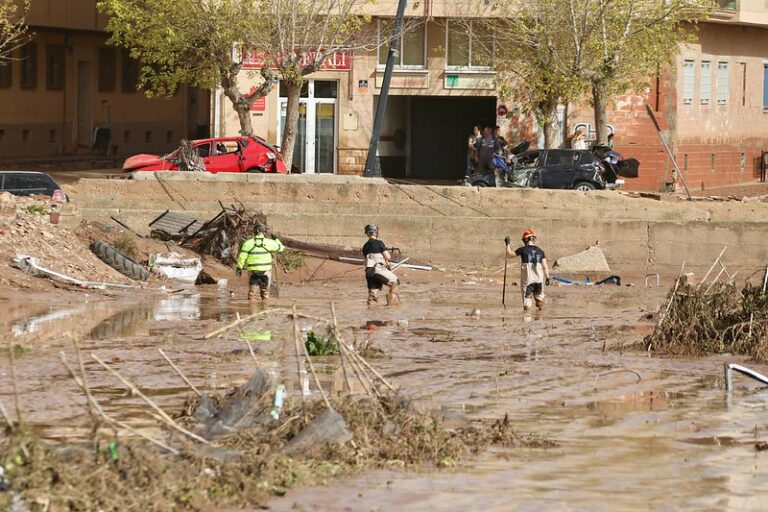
x,y
13,29
290,260
318,345
554,51
126,244
37,209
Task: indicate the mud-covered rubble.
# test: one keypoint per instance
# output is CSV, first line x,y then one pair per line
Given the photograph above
x,y
26,228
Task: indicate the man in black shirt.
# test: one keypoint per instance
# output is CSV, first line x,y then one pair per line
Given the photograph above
x,y
534,271
377,273
487,146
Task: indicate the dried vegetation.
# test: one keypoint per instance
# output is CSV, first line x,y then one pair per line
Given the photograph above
x,y
716,319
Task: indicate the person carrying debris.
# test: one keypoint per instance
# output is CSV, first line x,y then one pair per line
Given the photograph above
x,y
256,257
377,273
534,271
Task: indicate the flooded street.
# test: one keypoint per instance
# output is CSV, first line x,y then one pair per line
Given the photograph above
x,y
632,431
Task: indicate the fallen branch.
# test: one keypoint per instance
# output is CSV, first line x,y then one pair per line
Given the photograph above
x,y
165,418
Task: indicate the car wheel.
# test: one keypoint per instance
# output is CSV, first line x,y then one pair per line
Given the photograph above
x,y
255,170
479,184
584,186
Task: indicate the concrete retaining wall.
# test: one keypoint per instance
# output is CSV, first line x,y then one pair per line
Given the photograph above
x,y
451,225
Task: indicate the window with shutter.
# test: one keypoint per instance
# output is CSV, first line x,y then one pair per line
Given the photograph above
x,y
705,82
688,77
723,90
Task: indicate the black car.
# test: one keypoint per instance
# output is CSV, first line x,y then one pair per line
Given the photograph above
x,y
578,169
23,183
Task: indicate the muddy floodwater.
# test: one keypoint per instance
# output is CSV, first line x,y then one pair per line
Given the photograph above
x,y
632,432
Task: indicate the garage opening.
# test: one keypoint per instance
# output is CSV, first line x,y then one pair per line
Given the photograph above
x,y
425,137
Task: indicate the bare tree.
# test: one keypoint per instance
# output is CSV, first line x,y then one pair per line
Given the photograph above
x,y
534,60
302,35
13,28
627,41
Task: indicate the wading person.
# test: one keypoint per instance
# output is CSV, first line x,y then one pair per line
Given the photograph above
x,y
256,257
534,271
377,273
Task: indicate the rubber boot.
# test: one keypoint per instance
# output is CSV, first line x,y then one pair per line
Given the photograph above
x,y
373,297
527,303
393,299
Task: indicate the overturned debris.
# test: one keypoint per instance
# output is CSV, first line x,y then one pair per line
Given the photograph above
x,y
31,265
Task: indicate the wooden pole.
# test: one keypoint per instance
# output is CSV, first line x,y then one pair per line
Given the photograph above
x,y
16,403
165,418
299,341
108,419
244,320
180,374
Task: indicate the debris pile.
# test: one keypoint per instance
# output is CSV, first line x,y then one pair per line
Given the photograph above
x,y
221,236
26,228
237,449
721,318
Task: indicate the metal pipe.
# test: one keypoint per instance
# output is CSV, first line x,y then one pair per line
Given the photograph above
x,y
371,171
658,279
732,367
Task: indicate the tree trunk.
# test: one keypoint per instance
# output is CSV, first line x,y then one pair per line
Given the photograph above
x,y
242,103
550,124
601,119
291,121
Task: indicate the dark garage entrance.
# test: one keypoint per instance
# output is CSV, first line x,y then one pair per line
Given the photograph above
x,y
440,127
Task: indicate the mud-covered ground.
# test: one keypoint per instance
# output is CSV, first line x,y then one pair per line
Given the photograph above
x,y
633,432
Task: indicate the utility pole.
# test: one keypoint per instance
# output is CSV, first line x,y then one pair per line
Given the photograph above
x,y
371,170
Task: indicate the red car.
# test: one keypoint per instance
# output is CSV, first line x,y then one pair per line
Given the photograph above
x,y
224,154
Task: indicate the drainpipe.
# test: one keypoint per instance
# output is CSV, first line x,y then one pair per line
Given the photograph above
x,y
371,170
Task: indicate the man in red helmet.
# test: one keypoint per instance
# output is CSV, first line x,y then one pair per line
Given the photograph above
x,y
534,271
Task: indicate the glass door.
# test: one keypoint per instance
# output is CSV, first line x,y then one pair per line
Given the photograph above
x,y
315,149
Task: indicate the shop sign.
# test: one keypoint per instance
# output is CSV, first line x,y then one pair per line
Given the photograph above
x,y
470,81
502,110
338,61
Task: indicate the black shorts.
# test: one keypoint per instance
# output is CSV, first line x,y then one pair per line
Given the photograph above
x,y
260,278
533,289
375,281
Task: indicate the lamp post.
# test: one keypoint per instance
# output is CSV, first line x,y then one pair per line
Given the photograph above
x,y
371,170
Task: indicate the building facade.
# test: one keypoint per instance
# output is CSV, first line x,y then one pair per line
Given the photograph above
x,y
67,92
712,105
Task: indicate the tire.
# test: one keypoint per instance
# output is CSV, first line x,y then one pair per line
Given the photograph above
x,y
255,170
119,261
479,184
584,186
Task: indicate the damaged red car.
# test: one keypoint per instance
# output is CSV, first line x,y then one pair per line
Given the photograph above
x,y
224,154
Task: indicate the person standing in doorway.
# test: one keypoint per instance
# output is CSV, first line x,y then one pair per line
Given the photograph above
x,y
499,137
534,271
377,273
471,150
487,146
256,257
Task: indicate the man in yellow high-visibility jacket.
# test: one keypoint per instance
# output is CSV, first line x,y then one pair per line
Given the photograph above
x,y
256,257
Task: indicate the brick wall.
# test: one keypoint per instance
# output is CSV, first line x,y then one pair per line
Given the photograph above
x,y
352,161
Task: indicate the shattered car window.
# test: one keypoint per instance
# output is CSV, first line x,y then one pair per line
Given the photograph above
x,y
527,160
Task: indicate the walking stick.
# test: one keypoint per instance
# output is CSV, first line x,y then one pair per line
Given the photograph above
x,y
504,288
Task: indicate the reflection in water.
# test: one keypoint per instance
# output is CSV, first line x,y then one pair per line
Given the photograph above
x,y
31,325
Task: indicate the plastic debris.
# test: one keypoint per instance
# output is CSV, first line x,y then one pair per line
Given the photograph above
x,y
280,395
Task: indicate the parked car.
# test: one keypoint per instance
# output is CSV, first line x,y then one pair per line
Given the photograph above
x,y
577,169
25,183
224,154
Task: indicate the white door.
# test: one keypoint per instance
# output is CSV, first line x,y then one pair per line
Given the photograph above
x,y
315,150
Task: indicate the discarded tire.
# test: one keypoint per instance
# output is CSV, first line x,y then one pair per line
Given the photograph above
x,y
119,261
